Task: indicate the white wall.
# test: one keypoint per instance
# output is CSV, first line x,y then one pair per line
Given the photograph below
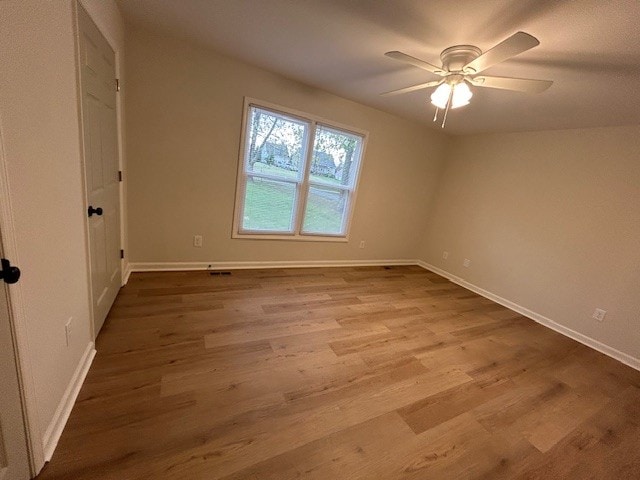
x,y
41,138
184,110
551,222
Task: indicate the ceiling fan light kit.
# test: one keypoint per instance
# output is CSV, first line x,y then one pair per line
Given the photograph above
x,y
456,88
461,66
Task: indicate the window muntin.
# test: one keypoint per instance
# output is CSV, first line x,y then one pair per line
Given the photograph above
x,y
298,176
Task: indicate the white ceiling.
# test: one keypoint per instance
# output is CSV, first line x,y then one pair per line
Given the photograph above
x,y
590,48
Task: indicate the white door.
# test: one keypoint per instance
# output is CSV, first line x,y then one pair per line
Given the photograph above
x,y
14,457
99,124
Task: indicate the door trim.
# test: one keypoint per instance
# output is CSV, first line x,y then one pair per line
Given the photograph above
x,y
122,158
77,6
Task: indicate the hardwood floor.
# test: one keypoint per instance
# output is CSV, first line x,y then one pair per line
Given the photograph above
x,y
341,373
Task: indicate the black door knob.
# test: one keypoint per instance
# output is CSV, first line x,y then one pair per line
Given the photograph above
x,y
97,211
9,273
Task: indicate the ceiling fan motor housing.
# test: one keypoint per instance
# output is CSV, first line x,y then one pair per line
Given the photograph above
x,y
456,57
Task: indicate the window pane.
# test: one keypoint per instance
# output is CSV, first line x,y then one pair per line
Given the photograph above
x,y
268,205
275,144
325,210
335,156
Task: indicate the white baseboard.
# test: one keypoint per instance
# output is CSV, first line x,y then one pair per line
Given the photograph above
x,y
182,266
541,319
126,274
60,417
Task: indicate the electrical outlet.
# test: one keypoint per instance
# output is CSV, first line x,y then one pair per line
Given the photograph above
x,y
67,331
599,314
197,240
361,243
445,255
466,263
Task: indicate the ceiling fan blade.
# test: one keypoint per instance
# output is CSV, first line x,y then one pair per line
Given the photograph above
x,y
416,62
412,88
512,46
526,85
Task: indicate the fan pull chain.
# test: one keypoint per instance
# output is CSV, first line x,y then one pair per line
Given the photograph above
x,y
446,110
435,117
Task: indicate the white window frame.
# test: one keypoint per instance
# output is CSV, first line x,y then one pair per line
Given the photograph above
x,y
302,183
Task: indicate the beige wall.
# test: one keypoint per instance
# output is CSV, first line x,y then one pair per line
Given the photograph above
x,y
550,221
184,110
46,229
42,152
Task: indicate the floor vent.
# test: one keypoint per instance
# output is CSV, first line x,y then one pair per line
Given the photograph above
x,y
215,274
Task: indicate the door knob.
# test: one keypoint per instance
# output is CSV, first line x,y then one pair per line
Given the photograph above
x,y
97,211
9,273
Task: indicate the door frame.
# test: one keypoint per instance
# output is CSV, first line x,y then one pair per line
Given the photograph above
x,y
124,263
17,320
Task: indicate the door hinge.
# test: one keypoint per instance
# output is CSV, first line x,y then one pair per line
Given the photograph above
x,y
119,175
117,84
121,253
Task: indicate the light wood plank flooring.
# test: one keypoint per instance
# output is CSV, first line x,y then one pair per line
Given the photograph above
x,y
341,373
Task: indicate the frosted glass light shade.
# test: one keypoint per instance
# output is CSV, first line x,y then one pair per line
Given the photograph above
x,y
441,96
461,95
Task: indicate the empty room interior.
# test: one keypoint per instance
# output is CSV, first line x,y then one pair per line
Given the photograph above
x,y
319,239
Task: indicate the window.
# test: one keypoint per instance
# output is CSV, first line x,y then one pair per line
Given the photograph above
x,y
297,177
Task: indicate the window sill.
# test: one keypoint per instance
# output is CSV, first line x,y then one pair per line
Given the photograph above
x,y
296,238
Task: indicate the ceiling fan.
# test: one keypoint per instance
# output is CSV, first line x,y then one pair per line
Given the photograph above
x,y
462,66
